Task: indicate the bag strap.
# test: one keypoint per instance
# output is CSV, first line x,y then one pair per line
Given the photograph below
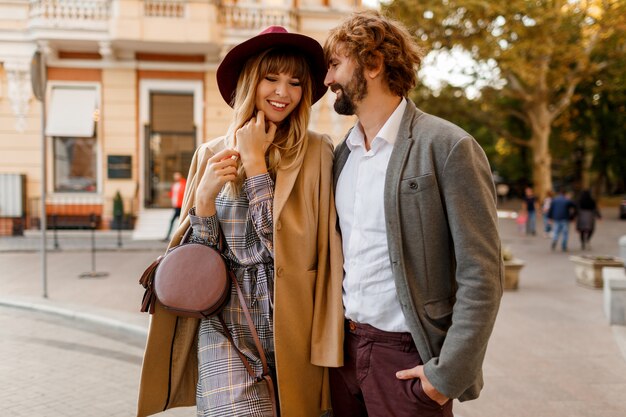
x,y
265,375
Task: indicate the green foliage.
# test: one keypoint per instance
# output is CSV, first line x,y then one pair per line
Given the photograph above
x,y
118,206
541,50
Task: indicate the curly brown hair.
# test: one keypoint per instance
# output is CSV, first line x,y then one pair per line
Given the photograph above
x,y
367,37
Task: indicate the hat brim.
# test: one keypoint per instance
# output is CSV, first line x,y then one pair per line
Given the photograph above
x,y
232,64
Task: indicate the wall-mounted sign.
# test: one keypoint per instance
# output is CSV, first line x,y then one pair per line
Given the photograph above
x,y
119,167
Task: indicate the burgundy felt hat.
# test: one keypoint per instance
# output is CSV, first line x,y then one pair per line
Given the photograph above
x,y
272,37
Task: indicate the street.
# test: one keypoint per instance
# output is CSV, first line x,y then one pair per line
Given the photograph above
x,y
78,353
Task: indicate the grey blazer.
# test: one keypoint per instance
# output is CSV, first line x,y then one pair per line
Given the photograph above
x,y
444,248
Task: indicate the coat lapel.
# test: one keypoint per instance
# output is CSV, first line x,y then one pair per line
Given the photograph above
x,y
285,180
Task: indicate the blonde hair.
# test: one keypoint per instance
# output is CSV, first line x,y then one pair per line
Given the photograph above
x,y
289,143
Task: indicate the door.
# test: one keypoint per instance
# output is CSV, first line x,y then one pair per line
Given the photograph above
x,y
170,141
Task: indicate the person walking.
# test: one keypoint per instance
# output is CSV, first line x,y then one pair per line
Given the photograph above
x,y
586,220
417,212
265,188
177,192
562,211
522,220
545,208
531,211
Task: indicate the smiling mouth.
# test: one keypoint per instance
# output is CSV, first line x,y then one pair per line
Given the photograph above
x,y
277,105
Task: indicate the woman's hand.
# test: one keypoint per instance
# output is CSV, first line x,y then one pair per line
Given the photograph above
x,y
214,173
252,143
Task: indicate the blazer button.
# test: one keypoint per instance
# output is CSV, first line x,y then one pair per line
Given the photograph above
x,y
279,225
279,271
413,185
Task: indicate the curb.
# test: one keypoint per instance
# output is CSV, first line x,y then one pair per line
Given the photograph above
x,y
99,320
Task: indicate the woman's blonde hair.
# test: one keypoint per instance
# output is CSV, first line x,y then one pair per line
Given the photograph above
x,y
289,143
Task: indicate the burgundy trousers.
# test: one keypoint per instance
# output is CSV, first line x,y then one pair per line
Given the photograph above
x,y
366,386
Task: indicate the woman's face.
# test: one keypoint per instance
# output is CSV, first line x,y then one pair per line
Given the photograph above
x,y
277,95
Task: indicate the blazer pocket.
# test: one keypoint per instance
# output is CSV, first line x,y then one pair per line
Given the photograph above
x,y
439,312
414,185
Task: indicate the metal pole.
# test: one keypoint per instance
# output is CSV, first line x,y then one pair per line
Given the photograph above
x,y
93,244
43,222
55,218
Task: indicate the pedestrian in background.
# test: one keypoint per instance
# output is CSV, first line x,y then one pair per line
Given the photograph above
x,y
265,190
545,208
531,211
177,193
562,211
586,218
522,219
417,212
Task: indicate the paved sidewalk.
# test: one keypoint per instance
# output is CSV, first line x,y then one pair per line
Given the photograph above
x,y
78,352
553,353
77,240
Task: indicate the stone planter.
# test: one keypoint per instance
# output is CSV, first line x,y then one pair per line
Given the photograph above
x,y
512,268
588,268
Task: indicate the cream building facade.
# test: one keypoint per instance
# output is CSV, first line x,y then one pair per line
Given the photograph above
x,y
130,94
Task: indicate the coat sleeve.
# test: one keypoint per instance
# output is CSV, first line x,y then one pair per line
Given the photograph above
x,y
470,205
327,333
189,199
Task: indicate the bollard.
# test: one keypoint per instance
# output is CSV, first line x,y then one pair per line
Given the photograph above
x,y
93,273
118,223
54,230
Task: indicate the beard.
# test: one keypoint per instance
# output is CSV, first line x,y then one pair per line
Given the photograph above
x,y
355,91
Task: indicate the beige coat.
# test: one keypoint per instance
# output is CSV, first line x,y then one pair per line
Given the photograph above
x,y
308,312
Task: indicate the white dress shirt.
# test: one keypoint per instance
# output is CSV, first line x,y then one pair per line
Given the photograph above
x,y
369,291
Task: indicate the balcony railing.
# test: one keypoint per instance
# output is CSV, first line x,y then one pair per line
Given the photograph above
x,y
255,17
70,14
164,8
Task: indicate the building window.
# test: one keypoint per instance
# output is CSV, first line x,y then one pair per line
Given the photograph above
x,y
75,165
71,123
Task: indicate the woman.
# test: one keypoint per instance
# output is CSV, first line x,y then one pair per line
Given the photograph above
x,y
545,208
586,221
266,187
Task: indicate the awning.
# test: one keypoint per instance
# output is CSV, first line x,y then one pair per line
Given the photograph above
x,y
71,112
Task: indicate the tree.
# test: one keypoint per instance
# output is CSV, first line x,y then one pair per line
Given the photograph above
x,y
596,120
540,49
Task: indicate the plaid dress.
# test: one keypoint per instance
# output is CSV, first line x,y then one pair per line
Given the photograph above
x,y
224,386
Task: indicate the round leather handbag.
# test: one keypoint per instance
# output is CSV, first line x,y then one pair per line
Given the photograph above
x,y
190,280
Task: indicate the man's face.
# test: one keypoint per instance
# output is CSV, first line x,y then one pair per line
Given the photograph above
x,y
345,78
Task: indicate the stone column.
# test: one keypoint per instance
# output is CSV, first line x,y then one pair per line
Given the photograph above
x,y
18,89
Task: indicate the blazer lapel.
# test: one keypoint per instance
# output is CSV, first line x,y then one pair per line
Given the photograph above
x,y
341,156
398,157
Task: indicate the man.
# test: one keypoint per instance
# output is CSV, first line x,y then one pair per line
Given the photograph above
x,y
177,192
417,212
562,211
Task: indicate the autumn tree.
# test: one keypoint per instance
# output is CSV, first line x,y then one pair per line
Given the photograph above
x,y
541,50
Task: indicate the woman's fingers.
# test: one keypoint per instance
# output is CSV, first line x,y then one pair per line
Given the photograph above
x,y
271,132
223,154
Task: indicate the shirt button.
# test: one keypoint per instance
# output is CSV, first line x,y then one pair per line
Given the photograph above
x,y
279,225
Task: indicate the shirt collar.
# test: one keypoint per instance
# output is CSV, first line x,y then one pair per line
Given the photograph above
x,y
388,133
